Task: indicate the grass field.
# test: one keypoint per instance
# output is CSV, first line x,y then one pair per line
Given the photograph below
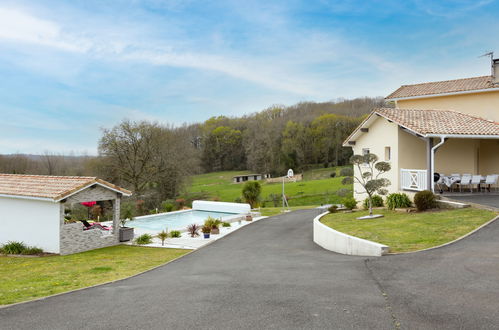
x,y
24,279
404,232
316,188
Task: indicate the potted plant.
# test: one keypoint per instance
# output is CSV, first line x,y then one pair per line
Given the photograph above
x,y
126,233
206,231
213,224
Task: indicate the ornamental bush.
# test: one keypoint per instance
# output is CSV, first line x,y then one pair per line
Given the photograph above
x,y
425,200
377,201
397,200
144,239
350,203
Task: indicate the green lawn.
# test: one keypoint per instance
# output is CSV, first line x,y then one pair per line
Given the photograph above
x,y
24,279
219,185
404,232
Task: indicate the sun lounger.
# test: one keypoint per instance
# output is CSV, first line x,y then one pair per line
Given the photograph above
x,y
94,225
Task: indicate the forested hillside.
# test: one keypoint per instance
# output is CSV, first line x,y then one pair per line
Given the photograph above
x,y
154,160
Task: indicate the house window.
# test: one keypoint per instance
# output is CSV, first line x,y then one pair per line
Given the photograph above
x,y
365,151
388,153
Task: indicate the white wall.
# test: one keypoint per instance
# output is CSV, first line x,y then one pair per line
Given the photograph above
x,y
339,242
36,223
381,134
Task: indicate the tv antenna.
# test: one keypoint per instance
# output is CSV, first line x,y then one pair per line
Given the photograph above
x,y
491,55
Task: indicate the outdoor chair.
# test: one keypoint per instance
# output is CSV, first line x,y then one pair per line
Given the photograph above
x,y
475,181
455,178
490,180
465,181
94,226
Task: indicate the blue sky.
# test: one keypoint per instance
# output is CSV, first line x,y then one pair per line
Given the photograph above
x,y
69,68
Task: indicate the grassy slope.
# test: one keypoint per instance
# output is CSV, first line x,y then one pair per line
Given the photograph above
x,y
316,188
404,232
24,279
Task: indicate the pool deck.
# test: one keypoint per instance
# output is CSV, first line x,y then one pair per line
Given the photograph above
x,y
187,242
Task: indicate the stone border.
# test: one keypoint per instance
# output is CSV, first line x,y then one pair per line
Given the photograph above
x,y
339,242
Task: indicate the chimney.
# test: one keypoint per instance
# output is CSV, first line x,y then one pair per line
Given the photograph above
x,y
495,71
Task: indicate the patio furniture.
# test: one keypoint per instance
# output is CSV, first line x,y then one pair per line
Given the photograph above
x,y
475,180
465,181
94,225
490,180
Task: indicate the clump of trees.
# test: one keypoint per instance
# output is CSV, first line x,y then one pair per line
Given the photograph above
x,y
155,161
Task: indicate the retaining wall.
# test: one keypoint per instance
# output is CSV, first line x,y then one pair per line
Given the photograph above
x,y
339,242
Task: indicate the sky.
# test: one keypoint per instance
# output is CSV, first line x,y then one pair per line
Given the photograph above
x,y
70,68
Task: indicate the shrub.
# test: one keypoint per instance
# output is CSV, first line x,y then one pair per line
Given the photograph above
x,y
398,200
333,209
175,234
238,200
377,201
31,250
193,230
14,247
350,203
179,203
226,224
144,239
163,235
333,175
343,192
167,206
19,248
346,171
425,200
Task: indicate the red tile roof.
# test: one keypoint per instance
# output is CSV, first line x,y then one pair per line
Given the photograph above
x,y
426,122
431,122
443,87
51,187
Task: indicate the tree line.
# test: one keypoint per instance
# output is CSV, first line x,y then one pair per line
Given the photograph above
x,y
155,160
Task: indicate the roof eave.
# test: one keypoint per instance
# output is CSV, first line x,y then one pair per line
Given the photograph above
x,y
44,199
462,136
486,90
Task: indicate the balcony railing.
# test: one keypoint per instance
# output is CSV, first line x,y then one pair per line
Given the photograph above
x,y
413,179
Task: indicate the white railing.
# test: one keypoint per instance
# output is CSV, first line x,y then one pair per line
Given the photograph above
x,y
413,179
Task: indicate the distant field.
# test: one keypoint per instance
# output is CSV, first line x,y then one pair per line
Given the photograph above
x,y
316,188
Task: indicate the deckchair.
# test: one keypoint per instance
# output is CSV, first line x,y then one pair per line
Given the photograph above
x,y
93,225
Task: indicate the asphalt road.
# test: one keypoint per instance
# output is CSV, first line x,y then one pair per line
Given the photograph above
x,y
270,275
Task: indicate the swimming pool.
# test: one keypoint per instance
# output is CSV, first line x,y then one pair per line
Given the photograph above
x,y
178,220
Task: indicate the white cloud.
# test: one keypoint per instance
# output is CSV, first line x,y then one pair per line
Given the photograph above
x,y
18,26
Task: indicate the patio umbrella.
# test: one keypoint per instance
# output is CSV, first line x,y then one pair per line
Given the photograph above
x,y
89,205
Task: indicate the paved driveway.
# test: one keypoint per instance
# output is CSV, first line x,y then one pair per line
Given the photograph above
x,y
491,200
271,275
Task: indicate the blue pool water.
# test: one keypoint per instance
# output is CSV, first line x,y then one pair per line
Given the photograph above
x,y
176,220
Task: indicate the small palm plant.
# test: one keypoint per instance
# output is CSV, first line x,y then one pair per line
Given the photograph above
x,y
163,235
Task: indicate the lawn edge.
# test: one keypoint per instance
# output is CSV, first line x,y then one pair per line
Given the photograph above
x,y
100,284
448,243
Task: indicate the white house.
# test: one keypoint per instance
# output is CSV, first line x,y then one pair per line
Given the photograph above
x,y
32,211
446,127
